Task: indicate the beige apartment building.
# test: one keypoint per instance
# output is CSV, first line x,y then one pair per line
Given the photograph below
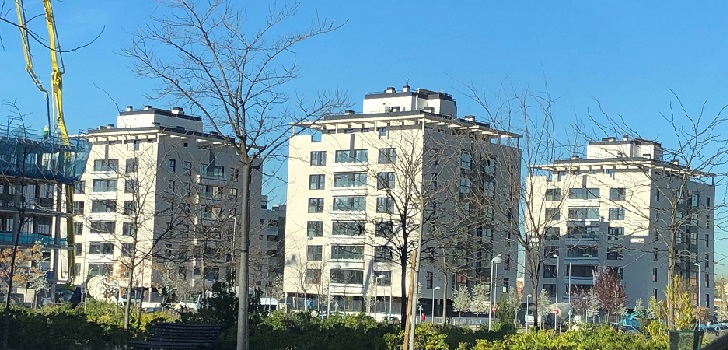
x,y
406,167
615,208
159,198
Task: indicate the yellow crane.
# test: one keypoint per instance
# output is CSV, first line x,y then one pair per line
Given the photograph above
x,y
57,71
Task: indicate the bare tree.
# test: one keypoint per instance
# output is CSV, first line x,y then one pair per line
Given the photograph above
x,y
236,79
684,210
538,203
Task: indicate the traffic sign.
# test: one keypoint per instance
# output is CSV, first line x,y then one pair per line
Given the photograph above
x,y
556,311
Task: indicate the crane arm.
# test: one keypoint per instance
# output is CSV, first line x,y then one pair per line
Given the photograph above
x,y
56,72
20,10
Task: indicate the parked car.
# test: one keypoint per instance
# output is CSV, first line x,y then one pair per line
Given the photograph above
x,y
629,329
390,320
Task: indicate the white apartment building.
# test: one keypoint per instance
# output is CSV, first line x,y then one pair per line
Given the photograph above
x,y
354,178
158,188
614,208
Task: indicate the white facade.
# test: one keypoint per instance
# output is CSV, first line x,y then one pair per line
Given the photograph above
x,y
613,208
345,181
179,184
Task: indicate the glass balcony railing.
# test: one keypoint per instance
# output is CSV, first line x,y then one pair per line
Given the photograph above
x,y
28,238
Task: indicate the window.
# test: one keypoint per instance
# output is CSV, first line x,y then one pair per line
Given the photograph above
x,y
100,269
347,252
313,276
349,203
127,229
132,165
382,253
464,185
707,261
79,187
127,249
100,248
707,240
187,168
429,278
131,186
583,193
707,202
217,171
318,158
654,274
78,207
553,214
384,229
582,252
387,155
106,164
385,205
616,213
553,194
350,179
552,233
103,206
617,194
315,253
550,289
135,145
104,185
172,165
129,208
347,276
583,232
706,278
385,181
78,228
587,213
657,195
315,228
382,131
170,186
549,271
347,228
315,205
614,253
655,253
351,156
104,227
615,233
384,278
78,249
466,160
316,181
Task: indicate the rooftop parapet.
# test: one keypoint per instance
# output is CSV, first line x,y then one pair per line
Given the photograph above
x,y
41,156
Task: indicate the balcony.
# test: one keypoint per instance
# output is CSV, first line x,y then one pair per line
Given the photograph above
x,y
28,238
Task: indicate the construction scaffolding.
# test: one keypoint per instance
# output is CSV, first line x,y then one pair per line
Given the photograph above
x,y
41,156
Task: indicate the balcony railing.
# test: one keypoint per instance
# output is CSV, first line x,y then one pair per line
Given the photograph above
x,y
28,238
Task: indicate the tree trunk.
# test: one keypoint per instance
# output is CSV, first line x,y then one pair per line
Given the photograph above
x,y
127,306
141,300
408,305
242,331
444,296
16,237
403,288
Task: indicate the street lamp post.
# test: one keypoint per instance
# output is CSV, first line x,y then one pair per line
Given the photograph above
x,y
698,282
433,303
495,261
569,290
528,308
556,297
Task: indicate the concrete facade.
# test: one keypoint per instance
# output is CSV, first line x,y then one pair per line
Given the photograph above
x,y
354,178
159,183
615,208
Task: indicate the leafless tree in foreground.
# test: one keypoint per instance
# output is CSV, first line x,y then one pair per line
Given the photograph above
x,y
207,57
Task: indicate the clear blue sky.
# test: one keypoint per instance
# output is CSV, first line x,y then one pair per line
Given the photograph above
x,y
627,54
